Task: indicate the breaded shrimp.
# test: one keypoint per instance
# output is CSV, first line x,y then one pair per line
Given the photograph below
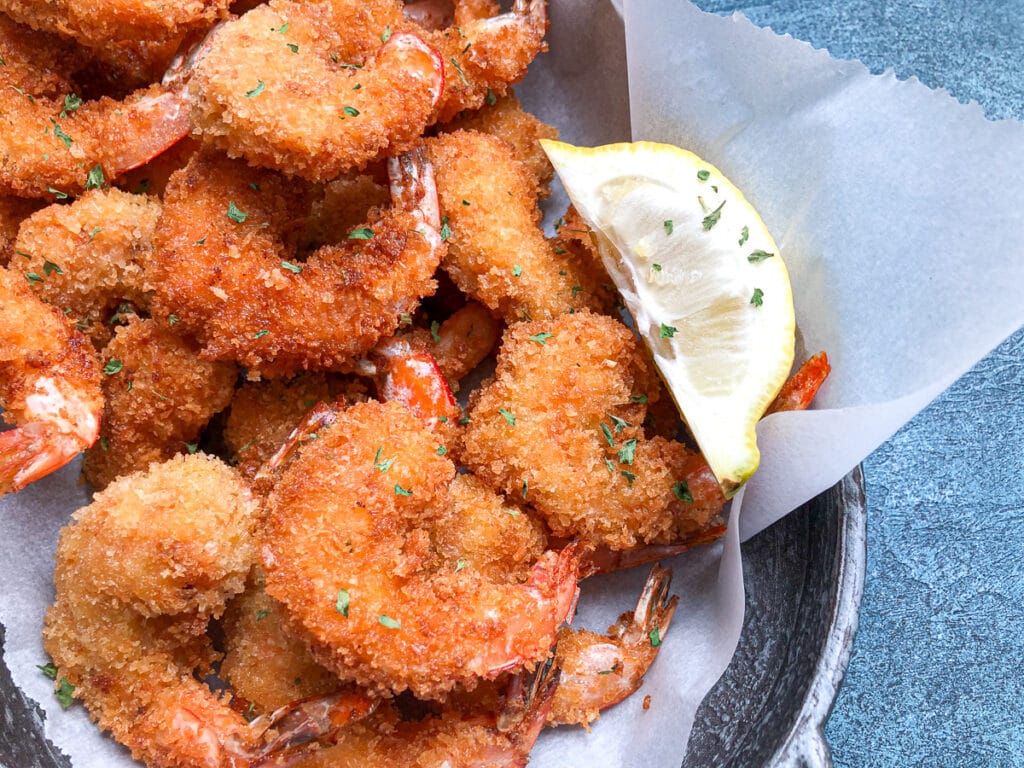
x,y
224,271
497,252
560,427
349,549
52,144
139,573
158,398
273,89
88,257
49,386
506,119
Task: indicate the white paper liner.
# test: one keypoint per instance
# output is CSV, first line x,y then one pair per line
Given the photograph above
x,y
898,212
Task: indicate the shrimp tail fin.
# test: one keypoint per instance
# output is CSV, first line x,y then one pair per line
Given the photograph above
x,y
654,608
31,452
527,705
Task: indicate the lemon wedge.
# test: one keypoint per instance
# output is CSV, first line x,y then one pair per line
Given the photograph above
x,y
703,280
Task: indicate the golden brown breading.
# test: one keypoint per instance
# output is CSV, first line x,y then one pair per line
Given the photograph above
x,y
561,426
159,396
88,257
13,211
506,119
497,252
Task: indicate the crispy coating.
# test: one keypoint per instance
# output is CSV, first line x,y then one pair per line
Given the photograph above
x,y
90,256
263,413
506,119
221,270
352,519
298,110
13,211
576,451
158,397
139,572
263,663
497,252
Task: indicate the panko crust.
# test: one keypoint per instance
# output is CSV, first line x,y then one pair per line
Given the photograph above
x,y
577,389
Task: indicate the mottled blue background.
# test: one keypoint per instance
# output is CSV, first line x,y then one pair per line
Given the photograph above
x,y
937,675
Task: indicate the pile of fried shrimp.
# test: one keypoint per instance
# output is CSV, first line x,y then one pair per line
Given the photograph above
x,y
251,251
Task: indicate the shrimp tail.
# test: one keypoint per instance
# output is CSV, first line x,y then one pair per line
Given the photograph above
x,y
605,560
802,386
654,608
319,416
559,572
527,706
411,178
414,379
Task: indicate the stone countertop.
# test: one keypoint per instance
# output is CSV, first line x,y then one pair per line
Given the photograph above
x,y
936,677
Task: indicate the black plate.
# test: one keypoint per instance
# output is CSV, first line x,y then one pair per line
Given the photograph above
x,y
803,579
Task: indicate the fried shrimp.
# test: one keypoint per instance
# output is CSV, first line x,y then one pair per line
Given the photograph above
x,y
88,257
52,144
506,119
127,632
224,271
560,427
349,549
293,105
49,387
599,671
497,252
158,398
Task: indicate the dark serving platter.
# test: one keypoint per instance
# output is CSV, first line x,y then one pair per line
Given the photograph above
x,y
803,578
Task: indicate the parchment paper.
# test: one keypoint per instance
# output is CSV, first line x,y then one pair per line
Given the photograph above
x,y
898,212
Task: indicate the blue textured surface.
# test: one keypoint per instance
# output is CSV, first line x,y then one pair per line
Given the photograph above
x,y
936,677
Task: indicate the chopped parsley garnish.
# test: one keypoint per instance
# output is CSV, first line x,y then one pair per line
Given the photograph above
x,y
351,111
575,290
113,366
516,270
71,103
260,88
260,334
463,421
172,319
620,424
509,417
712,218
95,231
757,299
434,327
703,174
744,235
361,233
48,669
638,399
655,636
385,465
459,564
104,443
465,202
611,467
446,231
682,492
607,434
191,447
630,477
441,450
656,267
387,35
614,667
33,278
627,451
58,194
282,29
341,604
526,488
400,491
458,69
49,268
201,241
388,622
59,133
262,614
491,98
95,179
294,48
669,226
236,215
541,338
759,255
667,331
64,691
291,267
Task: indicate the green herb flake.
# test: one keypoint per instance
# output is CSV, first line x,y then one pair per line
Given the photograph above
x,y
458,69
64,693
386,35
465,202
630,477
516,270
463,421
341,603
575,290
607,434
614,667
620,424
351,111
610,466
49,268
104,443
667,331
33,278
262,614
526,488
681,491
260,88
113,366
361,233
703,174
638,399
712,218
172,319
446,230
509,417
491,98
282,29
460,564
744,235
655,636
71,103
293,47
759,256
757,298
388,622
656,267
385,465
191,447
405,319
95,179
669,226
434,327
441,450
260,334
59,133
291,267
400,491
58,194
627,452
95,231
541,338
236,215
48,669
